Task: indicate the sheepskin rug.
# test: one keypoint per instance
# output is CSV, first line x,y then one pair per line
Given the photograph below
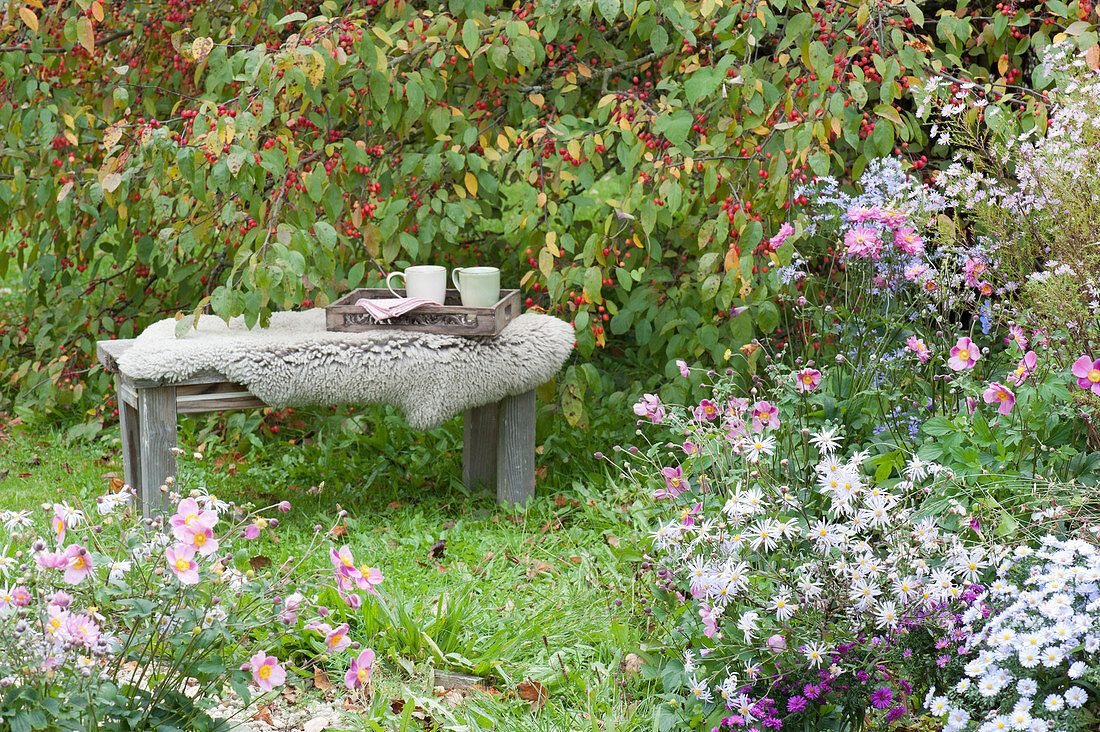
x,y
296,362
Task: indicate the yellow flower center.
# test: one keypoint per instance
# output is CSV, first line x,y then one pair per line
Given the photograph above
x,y
265,671
347,562
78,563
675,482
1094,376
363,673
808,379
182,564
190,519
1002,395
336,639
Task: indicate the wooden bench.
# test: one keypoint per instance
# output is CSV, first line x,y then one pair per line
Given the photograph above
x,y
498,440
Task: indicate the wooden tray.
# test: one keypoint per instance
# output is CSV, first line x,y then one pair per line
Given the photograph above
x,y
448,319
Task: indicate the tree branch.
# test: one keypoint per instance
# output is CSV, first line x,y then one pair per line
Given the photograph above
x,y
55,49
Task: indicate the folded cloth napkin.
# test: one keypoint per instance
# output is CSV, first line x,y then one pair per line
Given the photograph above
x,y
391,308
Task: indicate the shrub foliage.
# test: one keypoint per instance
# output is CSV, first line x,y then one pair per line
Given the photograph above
x,y
626,161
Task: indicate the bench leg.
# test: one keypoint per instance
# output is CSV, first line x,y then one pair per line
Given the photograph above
x,y
479,447
131,438
516,448
156,410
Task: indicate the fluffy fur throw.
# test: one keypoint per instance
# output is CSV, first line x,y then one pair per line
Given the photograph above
x,y
295,362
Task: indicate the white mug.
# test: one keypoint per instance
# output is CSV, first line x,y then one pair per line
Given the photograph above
x,y
423,280
478,286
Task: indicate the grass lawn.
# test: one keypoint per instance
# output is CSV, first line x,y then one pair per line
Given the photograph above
x,y
548,594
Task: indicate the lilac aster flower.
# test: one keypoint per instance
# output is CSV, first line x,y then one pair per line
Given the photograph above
x,y
882,697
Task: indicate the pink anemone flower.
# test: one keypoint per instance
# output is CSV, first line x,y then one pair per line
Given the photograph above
x,y
266,671
808,380
674,481
1025,369
1087,372
1001,394
964,355
181,560
360,672
78,564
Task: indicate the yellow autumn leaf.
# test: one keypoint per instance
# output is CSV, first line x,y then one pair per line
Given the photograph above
x,y
471,183
29,18
201,48
552,243
537,99
97,11
85,34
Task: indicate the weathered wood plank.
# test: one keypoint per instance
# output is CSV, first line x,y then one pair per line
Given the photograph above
x,y
156,410
479,447
131,439
516,449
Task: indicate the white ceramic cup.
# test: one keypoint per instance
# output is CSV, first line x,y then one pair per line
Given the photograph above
x,y
423,280
478,286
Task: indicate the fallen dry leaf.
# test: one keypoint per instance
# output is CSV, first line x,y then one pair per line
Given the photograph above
x,y
534,692
633,663
318,724
395,505
321,680
538,568
337,531
263,714
561,501
613,541
259,562
438,549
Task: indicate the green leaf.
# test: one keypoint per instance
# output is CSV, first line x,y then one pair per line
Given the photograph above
x,y
326,234
819,163
938,427
676,126
767,317
609,9
470,36
658,39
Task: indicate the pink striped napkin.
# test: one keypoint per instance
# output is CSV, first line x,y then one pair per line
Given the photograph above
x,y
391,308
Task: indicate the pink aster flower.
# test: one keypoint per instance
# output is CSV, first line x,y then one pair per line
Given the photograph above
x,y
650,406
859,214
807,380
689,448
916,345
78,564
908,241
21,596
1025,369
892,217
51,560
780,236
337,639
964,355
359,673
684,370
674,481
863,243
999,393
972,269
1087,372
81,629
181,560
985,288
914,272
1017,335
764,415
266,671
